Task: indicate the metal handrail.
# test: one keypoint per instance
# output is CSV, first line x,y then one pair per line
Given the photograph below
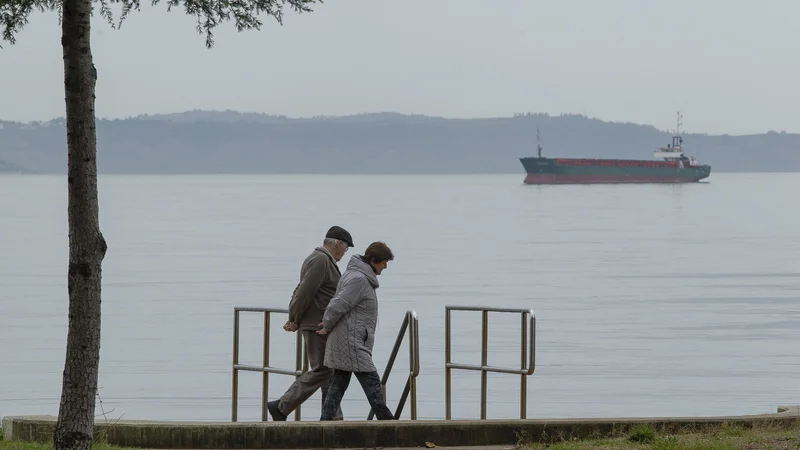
x,y
301,361
410,323
527,366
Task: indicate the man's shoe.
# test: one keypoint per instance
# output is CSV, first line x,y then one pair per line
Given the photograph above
x,y
275,412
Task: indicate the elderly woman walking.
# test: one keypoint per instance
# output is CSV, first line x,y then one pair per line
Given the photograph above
x,y
350,320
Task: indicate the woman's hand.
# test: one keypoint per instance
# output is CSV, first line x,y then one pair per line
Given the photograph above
x,y
322,331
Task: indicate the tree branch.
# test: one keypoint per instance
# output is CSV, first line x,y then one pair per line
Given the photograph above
x,y
14,15
244,14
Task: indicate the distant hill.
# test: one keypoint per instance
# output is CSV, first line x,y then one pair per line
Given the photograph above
x,y
6,167
380,143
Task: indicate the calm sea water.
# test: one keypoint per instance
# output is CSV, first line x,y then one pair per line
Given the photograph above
x,y
651,299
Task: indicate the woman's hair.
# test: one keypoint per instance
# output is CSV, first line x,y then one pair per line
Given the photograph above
x,y
378,252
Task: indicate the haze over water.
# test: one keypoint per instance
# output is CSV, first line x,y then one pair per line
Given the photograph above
x,y
651,300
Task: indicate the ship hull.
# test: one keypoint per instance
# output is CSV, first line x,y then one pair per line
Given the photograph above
x,y
605,171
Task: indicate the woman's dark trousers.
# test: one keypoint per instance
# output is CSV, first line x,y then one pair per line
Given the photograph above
x,y
371,384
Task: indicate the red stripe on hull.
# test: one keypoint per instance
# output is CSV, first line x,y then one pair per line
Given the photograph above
x,y
600,178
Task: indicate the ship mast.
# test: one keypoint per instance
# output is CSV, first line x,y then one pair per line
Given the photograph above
x,y
538,146
674,151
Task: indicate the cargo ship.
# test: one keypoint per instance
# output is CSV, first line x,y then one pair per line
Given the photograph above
x,y
673,167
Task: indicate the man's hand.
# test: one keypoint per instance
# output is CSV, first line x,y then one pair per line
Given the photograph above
x,y
290,326
322,330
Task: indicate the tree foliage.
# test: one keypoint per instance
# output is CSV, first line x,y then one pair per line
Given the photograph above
x,y
14,14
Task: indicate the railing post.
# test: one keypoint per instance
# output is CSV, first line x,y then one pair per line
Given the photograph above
x,y
410,326
264,368
484,360
235,377
300,362
265,375
413,362
527,351
523,402
448,406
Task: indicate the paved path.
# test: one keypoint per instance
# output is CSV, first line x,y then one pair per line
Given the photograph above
x,y
445,434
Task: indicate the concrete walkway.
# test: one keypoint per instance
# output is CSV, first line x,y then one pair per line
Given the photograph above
x,y
495,434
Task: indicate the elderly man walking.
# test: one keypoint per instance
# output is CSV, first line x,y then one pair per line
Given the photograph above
x,y
319,277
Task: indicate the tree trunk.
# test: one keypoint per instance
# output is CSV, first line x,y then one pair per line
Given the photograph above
x,y
87,247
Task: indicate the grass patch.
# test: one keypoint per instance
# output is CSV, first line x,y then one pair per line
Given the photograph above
x,y
729,436
643,434
16,445
99,435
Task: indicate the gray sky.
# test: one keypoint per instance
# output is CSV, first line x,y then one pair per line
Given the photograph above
x,y
727,65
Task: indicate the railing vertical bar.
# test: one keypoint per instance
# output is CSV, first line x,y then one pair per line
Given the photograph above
x,y
298,364
305,367
416,346
265,375
447,370
532,363
413,361
395,350
484,360
523,402
235,377
390,363
403,397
